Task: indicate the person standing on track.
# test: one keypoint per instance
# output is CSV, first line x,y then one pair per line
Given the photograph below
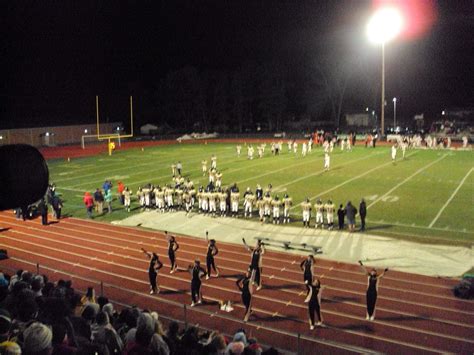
x,y
256,262
212,251
155,265
173,246
314,303
362,214
89,202
307,267
372,289
244,284
197,273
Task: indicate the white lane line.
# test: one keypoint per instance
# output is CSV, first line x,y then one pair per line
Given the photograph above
x,y
450,198
406,179
348,181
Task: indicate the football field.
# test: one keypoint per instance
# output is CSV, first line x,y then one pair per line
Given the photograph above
x,y
426,197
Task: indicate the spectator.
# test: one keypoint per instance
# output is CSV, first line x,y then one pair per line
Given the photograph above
x,y
340,217
37,340
172,338
99,201
104,334
89,202
120,189
351,213
108,200
363,214
57,205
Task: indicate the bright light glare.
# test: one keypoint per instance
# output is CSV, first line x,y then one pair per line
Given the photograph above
x,y
384,25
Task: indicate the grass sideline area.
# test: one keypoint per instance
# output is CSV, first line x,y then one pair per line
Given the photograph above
x,y
427,197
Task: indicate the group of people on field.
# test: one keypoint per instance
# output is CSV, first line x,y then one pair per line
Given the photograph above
x,y
251,280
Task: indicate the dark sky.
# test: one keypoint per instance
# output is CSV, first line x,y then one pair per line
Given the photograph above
x,y
57,55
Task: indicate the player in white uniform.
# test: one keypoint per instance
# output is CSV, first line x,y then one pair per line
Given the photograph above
x,y
331,144
287,202
238,148
234,200
310,145
205,202
248,203
276,204
394,152
212,202
329,208
343,144
304,149
267,207
204,167
290,146
326,146
319,207
295,147
464,142
126,198
306,207
260,151
213,162
327,161
404,149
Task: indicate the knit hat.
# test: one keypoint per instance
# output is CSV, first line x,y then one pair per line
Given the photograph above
x,y
10,348
37,337
240,336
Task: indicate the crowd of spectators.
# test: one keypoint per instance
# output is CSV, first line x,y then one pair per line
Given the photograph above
x,y
39,317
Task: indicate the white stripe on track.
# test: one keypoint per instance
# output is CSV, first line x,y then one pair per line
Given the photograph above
x,y
450,198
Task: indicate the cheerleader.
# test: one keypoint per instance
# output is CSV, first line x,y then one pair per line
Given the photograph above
x,y
372,288
314,303
155,265
173,246
256,262
197,273
212,251
307,267
244,283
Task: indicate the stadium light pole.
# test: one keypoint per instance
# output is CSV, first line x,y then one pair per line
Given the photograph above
x,y
394,112
384,25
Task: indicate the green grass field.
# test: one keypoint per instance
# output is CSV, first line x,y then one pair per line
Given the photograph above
x,y
426,197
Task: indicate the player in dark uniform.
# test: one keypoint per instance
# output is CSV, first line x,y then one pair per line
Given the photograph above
x,y
212,251
372,289
314,303
307,267
173,246
197,272
244,284
256,262
155,265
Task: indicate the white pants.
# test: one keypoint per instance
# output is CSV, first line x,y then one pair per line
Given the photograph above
x,y
126,201
286,212
267,211
212,206
200,203
222,206
330,218
248,207
205,205
219,183
147,200
169,201
319,217
261,212
306,216
276,212
142,200
160,203
235,206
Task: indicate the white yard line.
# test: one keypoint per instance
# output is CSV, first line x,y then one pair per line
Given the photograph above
x,y
348,181
450,198
407,179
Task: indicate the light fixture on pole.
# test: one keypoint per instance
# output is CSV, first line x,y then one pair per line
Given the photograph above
x,y
394,112
384,25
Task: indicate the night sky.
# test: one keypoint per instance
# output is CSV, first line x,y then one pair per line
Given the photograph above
x,y
57,55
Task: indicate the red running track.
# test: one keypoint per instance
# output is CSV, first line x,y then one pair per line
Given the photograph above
x,y
415,314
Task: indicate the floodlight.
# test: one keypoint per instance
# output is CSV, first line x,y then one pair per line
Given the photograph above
x,y
384,25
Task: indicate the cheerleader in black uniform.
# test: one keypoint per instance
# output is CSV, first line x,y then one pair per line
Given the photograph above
x,y
256,262
197,273
212,251
173,246
307,268
155,265
245,286
372,288
314,303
